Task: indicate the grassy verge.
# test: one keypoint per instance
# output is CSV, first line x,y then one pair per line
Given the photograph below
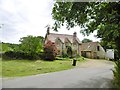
x,y
15,68
12,68
116,73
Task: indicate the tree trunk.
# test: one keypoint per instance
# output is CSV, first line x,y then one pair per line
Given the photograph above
x,y
118,46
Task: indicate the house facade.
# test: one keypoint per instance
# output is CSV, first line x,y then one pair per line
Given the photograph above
x,y
63,41
92,50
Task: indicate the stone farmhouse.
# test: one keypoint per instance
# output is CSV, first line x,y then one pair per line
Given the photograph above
x,y
92,50
63,41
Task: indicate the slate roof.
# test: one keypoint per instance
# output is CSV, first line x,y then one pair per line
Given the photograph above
x,y
89,46
62,37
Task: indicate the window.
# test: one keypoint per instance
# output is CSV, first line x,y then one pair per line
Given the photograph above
x,y
98,48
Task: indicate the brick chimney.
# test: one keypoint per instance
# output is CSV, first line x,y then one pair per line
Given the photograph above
x,y
75,34
48,30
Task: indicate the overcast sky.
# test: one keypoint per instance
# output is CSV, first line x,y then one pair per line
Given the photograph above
x,y
29,17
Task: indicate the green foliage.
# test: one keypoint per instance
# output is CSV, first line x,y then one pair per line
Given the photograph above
x,y
103,17
70,12
5,47
85,40
110,45
31,44
10,55
117,75
30,48
9,47
19,55
50,51
107,45
15,47
64,55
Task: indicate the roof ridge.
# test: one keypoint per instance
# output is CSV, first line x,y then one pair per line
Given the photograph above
x,y
63,36
90,42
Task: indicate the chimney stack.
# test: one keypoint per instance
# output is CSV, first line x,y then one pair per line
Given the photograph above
x,y
48,30
74,34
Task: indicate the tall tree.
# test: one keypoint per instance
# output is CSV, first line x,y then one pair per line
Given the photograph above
x,y
85,40
107,45
101,16
31,44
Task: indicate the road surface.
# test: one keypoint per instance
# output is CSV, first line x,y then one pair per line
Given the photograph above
x,y
91,74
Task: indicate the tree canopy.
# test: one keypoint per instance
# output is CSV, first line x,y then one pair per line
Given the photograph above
x,y
85,40
31,44
104,17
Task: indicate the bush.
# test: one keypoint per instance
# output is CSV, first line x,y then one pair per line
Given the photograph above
x,y
13,55
64,55
117,75
41,55
22,55
50,51
78,56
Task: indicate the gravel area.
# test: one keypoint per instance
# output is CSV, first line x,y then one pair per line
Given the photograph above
x,y
94,63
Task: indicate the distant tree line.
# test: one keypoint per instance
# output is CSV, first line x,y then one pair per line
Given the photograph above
x,y
30,47
85,40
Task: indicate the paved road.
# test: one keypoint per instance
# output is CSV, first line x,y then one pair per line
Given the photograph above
x,y
92,74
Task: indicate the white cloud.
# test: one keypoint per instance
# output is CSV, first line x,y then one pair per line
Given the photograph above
x,y
28,17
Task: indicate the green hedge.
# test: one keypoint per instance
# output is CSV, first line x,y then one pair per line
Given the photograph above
x,y
22,55
117,75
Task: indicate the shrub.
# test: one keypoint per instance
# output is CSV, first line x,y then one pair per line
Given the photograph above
x,y
77,56
13,55
41,55
21,55
116,73
9,55
64,55
50,51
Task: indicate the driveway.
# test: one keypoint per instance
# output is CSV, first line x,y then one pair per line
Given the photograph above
x,y
91,74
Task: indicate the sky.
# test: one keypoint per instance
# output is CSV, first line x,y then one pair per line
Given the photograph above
x,y
19,18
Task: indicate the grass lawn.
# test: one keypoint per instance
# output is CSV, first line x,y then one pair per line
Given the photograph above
x,y
14,68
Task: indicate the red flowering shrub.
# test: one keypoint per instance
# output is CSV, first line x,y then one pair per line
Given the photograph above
x,y
50,50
